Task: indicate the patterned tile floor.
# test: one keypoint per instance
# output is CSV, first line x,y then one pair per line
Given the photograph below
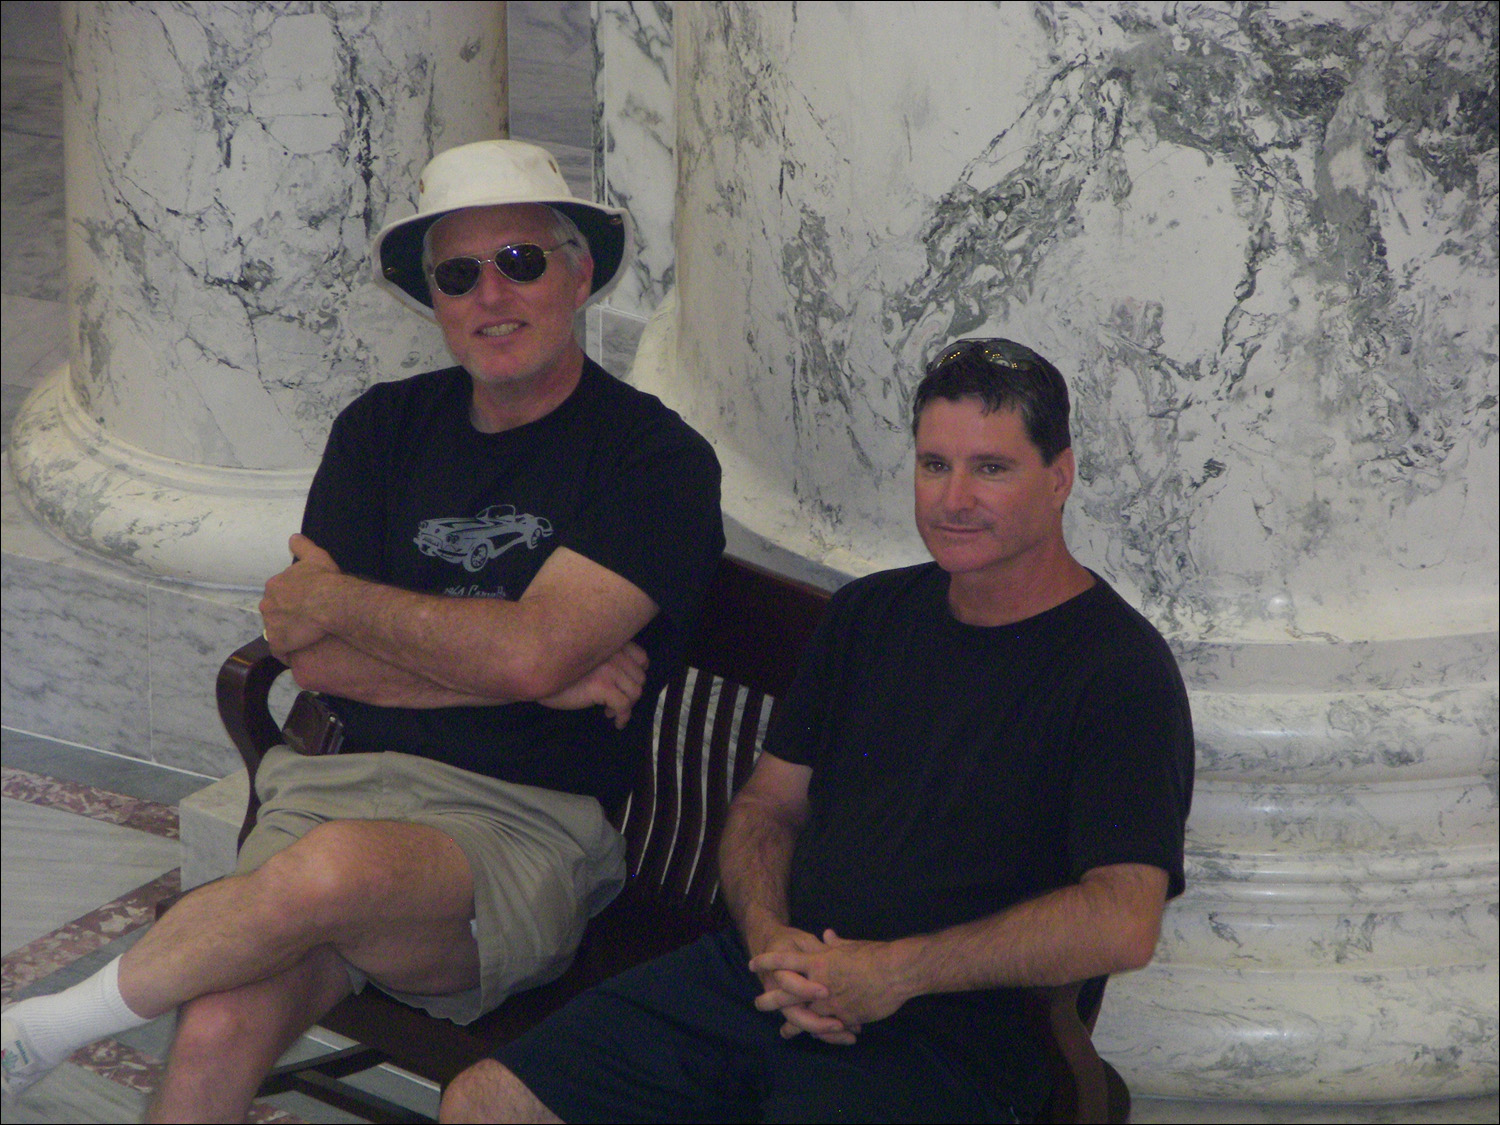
x,y
54,834
88,843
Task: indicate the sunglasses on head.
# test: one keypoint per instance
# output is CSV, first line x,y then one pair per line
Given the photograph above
x,y
520,262
996,351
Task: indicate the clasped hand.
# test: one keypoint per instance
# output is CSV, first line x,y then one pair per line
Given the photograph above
x,y
829,987
287,607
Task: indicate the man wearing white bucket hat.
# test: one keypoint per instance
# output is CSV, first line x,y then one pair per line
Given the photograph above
x,y
499,560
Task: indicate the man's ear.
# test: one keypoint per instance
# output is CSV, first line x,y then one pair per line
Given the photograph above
x,y
1063,470
585,269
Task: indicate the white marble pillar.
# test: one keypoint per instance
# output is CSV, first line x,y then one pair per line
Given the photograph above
x,y
1261,242
635,143
227,165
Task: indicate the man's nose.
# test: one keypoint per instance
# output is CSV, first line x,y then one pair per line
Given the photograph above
x,y
492,283
958,491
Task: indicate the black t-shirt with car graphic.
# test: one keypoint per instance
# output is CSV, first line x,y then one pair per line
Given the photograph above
x,y
410,494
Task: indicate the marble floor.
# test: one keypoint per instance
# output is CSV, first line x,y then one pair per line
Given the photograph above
x,y
89,839
88,845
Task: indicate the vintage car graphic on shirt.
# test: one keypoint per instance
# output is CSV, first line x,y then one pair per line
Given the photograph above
x,y
475,540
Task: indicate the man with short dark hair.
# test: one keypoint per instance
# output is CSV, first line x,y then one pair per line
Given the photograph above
x,y
978,782
498,567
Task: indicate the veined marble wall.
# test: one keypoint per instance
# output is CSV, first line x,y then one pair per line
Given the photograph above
x,y
1261,247
227,167
1261,241
635,142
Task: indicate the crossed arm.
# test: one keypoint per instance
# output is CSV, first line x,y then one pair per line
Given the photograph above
x,y
831,987
565,642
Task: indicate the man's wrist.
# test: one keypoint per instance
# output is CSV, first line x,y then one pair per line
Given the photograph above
x,y
352,609
759,927
905,965
332,594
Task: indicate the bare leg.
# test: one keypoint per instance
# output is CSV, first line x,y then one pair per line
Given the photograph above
x,y
487,1091
227,1041
394,899
254,960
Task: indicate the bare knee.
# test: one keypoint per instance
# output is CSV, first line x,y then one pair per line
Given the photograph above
x,y
351,872
487,1091
210,1027
319,880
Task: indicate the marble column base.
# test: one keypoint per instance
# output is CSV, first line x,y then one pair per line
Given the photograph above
x,y
212,526
1338,938
1304,1035
110,659
209,828
1317,988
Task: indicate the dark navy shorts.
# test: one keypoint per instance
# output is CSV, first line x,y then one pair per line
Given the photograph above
x,y
679,1039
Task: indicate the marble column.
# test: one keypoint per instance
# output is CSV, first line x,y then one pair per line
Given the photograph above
x,y
635,141
227,165
1261,241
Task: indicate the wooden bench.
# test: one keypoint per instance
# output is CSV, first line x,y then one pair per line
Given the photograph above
x,y
712,717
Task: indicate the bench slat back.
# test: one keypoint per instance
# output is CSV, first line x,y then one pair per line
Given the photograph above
x,y
711,720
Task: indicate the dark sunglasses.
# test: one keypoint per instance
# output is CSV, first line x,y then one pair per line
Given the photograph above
x,y
520,262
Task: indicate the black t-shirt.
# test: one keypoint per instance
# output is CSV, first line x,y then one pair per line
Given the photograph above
x,y
410,494
957,770
960,769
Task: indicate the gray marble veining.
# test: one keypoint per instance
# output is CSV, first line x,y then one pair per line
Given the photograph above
x,y
1261,242
1274,320
239,189
551,75
635,141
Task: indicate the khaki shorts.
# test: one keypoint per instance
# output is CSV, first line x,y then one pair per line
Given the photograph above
x,y
544,862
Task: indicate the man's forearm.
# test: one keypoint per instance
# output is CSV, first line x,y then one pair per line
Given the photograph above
x,y
334,666
1107,923
754,861
754,865
573,616
468,647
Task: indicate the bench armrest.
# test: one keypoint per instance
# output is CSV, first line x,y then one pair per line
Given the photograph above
x,y
244,689
1084,1086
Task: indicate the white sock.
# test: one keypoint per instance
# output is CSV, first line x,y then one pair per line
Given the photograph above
x,y
55,1026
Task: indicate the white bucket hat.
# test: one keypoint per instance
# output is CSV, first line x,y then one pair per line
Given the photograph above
x,y
484,174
